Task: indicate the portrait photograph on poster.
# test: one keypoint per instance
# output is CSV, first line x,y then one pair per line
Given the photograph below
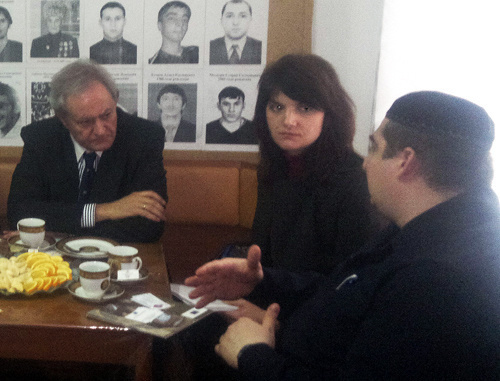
x,y
114,31
40,106
229,106
12,107
38,89
128,97
55,28
174,31
12,31
129,84
173,104
237,32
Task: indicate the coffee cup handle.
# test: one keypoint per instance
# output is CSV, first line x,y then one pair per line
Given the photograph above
x,y
138,260
105,284
114,266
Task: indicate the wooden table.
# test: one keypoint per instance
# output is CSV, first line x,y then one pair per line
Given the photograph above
x,y
54,327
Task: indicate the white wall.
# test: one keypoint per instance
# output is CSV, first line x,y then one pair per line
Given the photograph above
x,y
347,34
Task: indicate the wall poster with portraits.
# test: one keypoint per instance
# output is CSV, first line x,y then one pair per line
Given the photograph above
x,y
191,66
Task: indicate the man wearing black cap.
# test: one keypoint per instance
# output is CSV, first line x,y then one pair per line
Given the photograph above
x,y
421,301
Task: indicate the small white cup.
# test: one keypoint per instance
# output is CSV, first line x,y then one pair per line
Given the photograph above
x,y
32,231
123,258
94,278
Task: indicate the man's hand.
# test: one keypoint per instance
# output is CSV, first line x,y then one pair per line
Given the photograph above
x,y
245,331
146,204
245,309
228,278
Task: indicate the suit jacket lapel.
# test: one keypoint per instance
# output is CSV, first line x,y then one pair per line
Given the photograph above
x,y
109,172
70,165
110,169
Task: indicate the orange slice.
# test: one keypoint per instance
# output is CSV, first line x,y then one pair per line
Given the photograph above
x,y
60,279
35,257
39,262
47,283
39,283
64,271
49,266
39,273
64,277
55,281
30,286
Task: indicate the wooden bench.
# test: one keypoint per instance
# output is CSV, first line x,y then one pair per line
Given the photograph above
x,y
211,204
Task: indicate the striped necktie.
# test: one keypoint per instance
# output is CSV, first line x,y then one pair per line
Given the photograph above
x,y
87,176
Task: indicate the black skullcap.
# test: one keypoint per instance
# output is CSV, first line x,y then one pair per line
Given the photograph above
x,y
437,113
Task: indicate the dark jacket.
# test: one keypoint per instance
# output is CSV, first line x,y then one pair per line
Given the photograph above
x,y
13,52
45,182
186,132
421,302
217,134
55,45
307,225
251,54
117,52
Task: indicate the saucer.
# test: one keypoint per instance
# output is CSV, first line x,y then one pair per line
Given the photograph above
x,y
16,244
113,292
143,275
85,247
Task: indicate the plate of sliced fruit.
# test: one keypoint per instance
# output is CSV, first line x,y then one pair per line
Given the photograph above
x,y
33,272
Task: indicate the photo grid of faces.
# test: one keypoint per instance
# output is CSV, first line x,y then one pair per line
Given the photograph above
x,y
191,66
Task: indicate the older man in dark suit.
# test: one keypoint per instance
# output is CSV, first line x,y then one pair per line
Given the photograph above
x,y
236,47
92,169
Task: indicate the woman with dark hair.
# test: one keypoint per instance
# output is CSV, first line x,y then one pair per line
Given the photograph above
x,y
313,205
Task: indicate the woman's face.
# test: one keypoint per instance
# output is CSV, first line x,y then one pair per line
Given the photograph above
x,y
294,126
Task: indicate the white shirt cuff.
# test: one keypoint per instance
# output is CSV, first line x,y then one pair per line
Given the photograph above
x,y
88,216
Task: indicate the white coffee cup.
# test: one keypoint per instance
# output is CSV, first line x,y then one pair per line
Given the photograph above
x,y
94,278
32,231
123,258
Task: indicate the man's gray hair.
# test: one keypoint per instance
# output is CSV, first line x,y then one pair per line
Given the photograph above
x,y
76,78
